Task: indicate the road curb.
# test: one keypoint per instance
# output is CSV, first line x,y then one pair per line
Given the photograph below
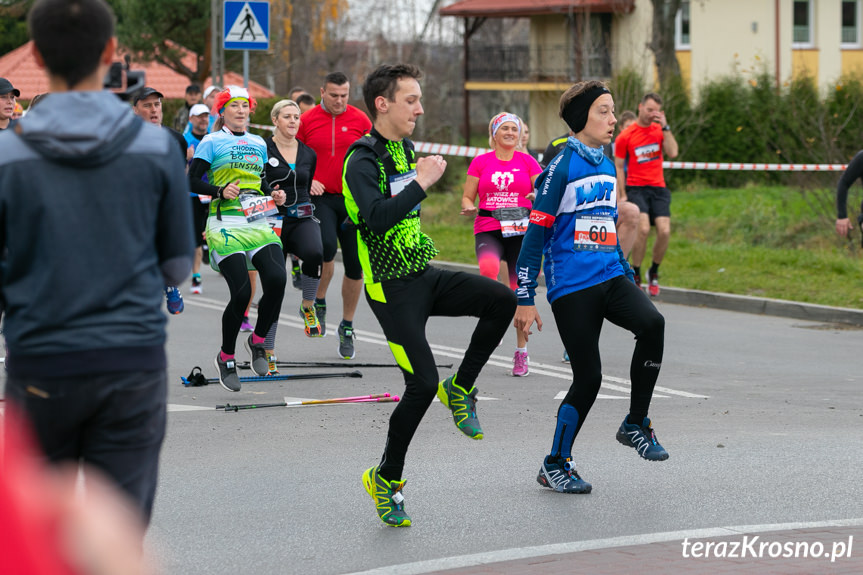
x,y
724,301
731,302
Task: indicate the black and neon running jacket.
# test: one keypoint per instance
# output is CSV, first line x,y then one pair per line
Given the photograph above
x,y
391,243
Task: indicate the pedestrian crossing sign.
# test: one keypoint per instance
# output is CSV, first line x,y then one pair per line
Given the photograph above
x,y
246,25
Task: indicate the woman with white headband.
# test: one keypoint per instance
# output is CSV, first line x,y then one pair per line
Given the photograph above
x,y
503,179
238,234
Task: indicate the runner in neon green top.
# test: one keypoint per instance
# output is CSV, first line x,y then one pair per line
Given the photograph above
x,y
383,186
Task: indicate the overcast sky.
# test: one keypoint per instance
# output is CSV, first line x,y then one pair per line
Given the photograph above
x,y
403,19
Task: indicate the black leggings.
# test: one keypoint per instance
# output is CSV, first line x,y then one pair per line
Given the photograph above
x,y
302,237
330,210
410,301
270,264
579,318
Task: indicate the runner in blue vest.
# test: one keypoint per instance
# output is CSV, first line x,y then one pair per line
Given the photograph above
x,y
573,223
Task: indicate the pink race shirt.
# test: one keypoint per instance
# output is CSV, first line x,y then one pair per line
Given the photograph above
x,y
502,184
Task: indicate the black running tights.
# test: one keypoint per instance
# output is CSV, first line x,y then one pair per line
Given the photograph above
x,y
579,316
410,301
270,264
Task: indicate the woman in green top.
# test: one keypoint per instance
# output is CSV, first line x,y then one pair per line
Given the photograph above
x,y
237,230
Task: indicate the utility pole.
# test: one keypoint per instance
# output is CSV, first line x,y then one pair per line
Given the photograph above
x,y
215,40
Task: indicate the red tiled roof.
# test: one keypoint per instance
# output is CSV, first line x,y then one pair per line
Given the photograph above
x,y
522,8
19,67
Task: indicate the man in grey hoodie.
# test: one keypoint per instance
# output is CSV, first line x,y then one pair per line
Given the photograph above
x,y
84,327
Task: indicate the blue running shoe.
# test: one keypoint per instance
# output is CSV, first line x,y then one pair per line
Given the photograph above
x,y
565,356
175,300
643,439
562,477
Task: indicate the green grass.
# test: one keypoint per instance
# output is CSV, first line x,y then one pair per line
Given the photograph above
x,y
775,242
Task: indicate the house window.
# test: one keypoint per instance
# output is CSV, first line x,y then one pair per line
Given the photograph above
x,y
802,27
681,27
850,23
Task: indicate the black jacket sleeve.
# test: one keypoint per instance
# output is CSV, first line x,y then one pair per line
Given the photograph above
x,y
380,212
854,171
198,186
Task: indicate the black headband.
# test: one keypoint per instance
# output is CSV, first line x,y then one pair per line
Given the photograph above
x,y
575,112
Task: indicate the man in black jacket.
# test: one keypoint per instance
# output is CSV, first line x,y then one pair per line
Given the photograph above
x,y
84,327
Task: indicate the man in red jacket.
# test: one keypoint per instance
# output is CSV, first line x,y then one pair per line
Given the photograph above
x,y
329,129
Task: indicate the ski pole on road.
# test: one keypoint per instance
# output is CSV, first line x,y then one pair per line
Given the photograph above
x,y
195,380
377,398
245,364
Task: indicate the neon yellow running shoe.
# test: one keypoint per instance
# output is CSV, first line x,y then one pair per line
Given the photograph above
x,y
313,327
463,406
389,501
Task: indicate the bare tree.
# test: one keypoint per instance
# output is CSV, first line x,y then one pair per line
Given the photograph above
x,y
662,40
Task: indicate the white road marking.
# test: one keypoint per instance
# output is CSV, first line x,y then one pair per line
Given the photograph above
x,y
609,383
492,557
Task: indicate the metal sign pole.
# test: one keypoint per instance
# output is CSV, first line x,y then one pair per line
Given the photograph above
x,y
214,42
246,69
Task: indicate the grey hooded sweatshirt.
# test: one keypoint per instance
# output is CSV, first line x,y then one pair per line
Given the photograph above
x,y
94,222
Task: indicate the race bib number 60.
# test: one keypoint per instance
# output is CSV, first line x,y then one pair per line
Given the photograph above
x,y
595,233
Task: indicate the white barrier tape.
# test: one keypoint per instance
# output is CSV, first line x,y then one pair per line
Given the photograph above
x,y
754,167
472,152
449,149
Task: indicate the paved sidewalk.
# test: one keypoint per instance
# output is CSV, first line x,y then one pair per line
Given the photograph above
x,y
667,557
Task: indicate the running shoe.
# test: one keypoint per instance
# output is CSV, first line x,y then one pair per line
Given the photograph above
x,y
565,356
313,328
637,279
562,477
653,287
196,284
296,280
175,300
463,406
389,501
258,354
227,373
520,366
643,439
321,313
246,326
272,368
346,342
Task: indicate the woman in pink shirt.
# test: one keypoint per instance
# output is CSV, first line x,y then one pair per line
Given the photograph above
x,y
503,179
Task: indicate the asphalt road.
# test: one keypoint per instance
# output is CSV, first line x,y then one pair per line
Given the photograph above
x,y
762,417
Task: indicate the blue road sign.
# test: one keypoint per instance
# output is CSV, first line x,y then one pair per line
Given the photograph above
x,y
246,25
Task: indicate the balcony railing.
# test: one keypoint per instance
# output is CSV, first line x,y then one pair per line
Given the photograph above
x,y
536,64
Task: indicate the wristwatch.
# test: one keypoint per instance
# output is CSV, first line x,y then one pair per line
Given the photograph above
x,y
666,128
